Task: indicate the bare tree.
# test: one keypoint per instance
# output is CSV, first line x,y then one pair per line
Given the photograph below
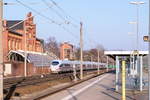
x,y
77,53
52,46
90,55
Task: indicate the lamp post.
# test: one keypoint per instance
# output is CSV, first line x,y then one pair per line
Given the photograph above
x,y
147,39
81,51
107,63
25,51
98,61
42,45
137,20
137,3
133,33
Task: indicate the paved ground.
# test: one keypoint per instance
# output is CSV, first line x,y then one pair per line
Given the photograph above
x,y
99,88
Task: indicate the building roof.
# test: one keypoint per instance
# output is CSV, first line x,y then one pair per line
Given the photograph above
x,y
41,40
13,22
37,58
113,54
14,32
67,43
124,53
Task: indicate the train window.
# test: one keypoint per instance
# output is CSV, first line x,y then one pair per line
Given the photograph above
x,y
61,65
55,63
66,65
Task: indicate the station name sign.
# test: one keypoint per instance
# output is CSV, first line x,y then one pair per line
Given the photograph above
x,y
146,39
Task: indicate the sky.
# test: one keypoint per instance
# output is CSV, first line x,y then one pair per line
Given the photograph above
x,y
105,22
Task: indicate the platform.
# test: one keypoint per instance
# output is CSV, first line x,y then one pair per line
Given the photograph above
x,y
99,88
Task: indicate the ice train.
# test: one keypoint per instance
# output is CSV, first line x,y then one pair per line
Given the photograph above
x,y
58,66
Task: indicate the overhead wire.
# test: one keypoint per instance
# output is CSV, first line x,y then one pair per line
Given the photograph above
x,y
62,17
92,42
51,20
63,11
46,3
14,25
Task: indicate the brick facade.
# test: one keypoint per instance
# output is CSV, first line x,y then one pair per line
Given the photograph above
x,y
66,51
14,38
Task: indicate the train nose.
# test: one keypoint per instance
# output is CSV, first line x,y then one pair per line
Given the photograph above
x,y
55,69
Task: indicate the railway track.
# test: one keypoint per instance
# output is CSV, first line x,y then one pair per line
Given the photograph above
x,y
32,80
12,84
21,82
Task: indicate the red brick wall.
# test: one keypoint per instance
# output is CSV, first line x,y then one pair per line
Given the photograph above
x,y
18,69
63,47
5,46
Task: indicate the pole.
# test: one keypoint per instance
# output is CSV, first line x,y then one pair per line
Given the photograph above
x,y
91,61
107,64
1,50
131,65
137,27
134,65
42,45
98,62
123,81
141,73
81,51
137,38
25,51
149,54
117,72
74,72
137,31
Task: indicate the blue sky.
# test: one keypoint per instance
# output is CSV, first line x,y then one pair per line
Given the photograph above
x,y
105,22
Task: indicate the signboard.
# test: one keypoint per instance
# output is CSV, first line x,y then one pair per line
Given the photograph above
x,y
146,39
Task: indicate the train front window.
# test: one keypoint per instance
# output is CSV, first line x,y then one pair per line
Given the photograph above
x,y
55,63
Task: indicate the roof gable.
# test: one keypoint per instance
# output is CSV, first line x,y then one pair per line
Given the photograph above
x,y
10,23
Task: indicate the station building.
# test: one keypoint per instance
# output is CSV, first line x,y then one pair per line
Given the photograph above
x,y
15,32
20,36
66,51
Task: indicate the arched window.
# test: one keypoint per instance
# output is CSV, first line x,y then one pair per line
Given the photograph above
x,y
13,44
16,45
9,44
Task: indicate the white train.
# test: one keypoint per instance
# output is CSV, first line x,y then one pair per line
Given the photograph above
x,y
58,66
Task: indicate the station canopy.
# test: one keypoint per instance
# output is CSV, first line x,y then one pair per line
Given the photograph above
x,y
38,59
113,54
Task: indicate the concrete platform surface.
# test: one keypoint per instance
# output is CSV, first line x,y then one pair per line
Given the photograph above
x,y
99,88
